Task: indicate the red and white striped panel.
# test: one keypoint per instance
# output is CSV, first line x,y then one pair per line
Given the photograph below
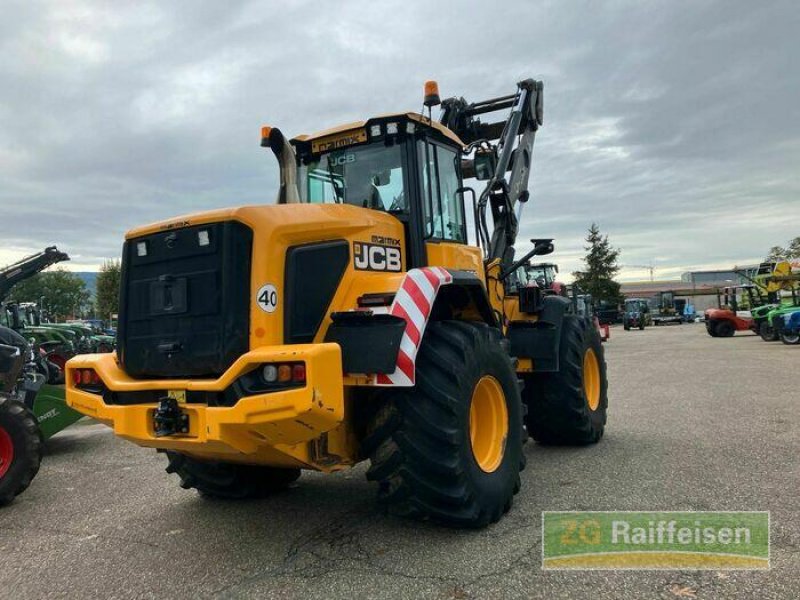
x,y
413,303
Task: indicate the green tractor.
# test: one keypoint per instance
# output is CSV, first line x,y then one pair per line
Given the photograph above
x,y
765,316
59,345
30,412
780,283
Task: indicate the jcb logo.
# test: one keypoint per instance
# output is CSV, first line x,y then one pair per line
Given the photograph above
x,y
374,257
335,161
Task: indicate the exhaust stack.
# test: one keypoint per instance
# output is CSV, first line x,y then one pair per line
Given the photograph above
x,y
272,138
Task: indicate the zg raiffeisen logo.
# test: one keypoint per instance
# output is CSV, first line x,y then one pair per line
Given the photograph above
x,y
655,540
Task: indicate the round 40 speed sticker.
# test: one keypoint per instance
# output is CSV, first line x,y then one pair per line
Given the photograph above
x,y
267,298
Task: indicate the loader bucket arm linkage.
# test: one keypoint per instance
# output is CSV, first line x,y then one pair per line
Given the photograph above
x,y
28,267
512,152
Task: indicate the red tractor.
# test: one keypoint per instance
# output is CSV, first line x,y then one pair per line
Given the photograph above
x,y
733,313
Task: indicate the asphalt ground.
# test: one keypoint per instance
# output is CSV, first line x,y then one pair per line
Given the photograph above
x,y
695,423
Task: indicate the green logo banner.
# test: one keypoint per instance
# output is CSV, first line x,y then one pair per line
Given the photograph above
x,y
655,540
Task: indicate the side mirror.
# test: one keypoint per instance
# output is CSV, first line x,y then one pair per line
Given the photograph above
x,y
484,164
541,247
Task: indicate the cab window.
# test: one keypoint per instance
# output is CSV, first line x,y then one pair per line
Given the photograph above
x,y
366,176
443,209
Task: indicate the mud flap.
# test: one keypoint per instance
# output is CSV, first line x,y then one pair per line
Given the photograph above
x,y
540,340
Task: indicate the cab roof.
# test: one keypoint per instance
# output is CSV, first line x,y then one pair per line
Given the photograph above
x,y
416,117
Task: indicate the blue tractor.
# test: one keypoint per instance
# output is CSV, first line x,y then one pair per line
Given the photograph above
x,y
790,332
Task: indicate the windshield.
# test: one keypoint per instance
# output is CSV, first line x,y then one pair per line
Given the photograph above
x,y
365,176
633,305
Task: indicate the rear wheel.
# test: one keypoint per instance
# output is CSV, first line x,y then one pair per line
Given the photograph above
x,y
450,449
724,329
767,333
569,407
21,447
232,481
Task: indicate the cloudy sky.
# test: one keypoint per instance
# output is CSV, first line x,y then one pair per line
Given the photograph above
x,y
674,125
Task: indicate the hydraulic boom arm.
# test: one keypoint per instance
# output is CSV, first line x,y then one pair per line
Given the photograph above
x,y
506,146
28,267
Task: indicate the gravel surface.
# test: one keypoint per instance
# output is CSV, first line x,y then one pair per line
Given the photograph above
x,y
695,423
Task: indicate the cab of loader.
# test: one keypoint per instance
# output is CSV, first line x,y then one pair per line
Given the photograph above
x,y
403,164
412,167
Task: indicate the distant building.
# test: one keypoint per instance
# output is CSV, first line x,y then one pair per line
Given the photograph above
x,y
719,278
700,292
697,287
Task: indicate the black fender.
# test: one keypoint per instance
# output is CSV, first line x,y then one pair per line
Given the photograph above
x,y
465,294
541,340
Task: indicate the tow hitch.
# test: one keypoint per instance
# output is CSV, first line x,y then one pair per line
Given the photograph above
x,y
169,419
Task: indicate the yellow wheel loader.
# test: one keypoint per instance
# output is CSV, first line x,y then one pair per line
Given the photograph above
x,y
354,320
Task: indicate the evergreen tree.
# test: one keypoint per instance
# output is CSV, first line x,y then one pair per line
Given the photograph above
x,y
601,268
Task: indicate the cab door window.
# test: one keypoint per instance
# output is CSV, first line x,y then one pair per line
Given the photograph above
x,y
443,209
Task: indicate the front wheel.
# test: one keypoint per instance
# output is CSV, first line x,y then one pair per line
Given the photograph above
x,y
791,339
450,449
767,332
21,447
725,329
569,407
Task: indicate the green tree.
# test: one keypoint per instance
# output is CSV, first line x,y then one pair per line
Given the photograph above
x,y
601,268
790,252
108,289
63,293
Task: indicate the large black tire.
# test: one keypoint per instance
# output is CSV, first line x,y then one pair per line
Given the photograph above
x,y
767,333
711,328
724,329
559,410
419,441
229,481
22,436
790,339
641,326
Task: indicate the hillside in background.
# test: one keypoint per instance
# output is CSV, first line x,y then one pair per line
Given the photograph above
x,y
90,279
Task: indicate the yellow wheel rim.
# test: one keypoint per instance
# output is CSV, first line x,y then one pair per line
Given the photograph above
x,y
488,423
591,379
